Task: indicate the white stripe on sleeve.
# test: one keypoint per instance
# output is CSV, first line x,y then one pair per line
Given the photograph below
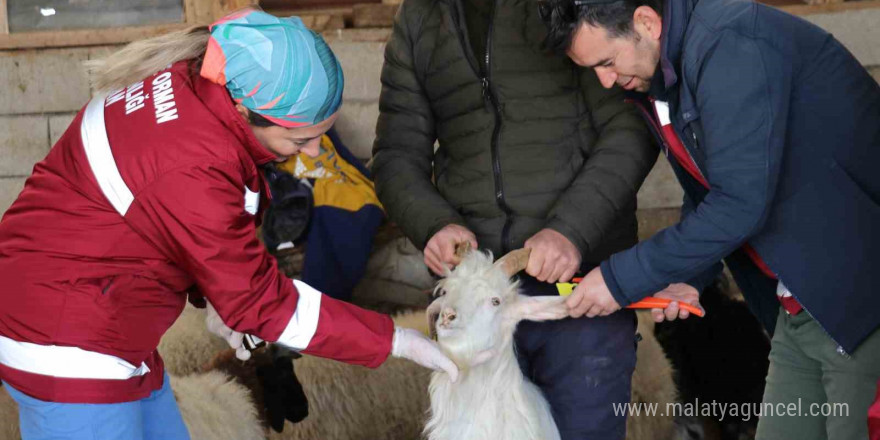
x,y
304,322
97,147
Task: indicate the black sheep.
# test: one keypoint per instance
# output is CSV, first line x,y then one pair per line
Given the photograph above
x,y
722,357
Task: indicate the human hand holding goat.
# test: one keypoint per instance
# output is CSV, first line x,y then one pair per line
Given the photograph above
x,y
554,258
440,252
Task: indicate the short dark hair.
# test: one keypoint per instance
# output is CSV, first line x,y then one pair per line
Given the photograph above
x,y
257,120
564,17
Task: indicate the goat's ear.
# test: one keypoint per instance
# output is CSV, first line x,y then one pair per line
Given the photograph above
x,y
539,308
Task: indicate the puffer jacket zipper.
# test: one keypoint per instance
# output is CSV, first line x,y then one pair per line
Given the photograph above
x,y
492,101
483,70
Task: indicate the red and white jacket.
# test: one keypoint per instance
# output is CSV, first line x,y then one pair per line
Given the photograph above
x,y
152,192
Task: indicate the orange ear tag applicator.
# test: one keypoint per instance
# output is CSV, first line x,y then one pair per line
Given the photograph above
x,y
650,302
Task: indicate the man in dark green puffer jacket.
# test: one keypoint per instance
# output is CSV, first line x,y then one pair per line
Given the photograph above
x,y
532,152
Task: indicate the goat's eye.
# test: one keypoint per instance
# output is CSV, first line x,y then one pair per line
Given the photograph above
x,y
496,301
441,292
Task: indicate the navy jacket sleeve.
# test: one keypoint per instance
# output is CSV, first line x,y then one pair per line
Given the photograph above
x,y
742,89
705,278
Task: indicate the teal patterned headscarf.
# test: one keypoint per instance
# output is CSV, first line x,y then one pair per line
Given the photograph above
x,y
275,67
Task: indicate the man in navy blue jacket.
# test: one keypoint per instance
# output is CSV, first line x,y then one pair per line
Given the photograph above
x,y
773,130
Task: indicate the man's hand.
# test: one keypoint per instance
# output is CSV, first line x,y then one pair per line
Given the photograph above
x,y
440,250
681,293
591,297
553,258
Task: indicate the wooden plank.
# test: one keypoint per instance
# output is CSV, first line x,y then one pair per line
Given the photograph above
x,y
380,15
4,20
197,12
365,35
339,17
222,8
84,37
321,23
828,8
310,4
190,11
234,5
345,11
781,3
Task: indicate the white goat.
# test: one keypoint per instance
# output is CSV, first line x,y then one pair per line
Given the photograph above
x,y
476,314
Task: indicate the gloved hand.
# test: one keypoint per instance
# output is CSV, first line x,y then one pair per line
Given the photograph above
x,y
233,338
413,345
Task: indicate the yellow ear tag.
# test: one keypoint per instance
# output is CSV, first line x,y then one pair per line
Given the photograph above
x,y
565,289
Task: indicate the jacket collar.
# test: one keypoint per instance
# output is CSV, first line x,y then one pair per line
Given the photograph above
x,y
676,15
217,100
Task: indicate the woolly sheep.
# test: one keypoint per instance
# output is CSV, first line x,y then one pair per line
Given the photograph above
x,y
352,403
346,402
722,357
652,383
215,407
188,345
8,416
216,392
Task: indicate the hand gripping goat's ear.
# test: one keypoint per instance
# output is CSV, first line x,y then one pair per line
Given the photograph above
x,y
538,308
530,308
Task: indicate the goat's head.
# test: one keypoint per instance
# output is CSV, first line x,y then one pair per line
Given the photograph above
x,y
478,306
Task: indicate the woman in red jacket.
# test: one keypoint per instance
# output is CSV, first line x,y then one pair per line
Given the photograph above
x,y
153,193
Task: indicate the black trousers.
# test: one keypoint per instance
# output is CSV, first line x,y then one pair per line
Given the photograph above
x,y
584,367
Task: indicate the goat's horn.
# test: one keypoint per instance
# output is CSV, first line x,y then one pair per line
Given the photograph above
x,y
462,249
432,313
514,261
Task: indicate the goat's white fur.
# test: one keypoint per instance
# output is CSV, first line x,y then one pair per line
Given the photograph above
x,y
491,399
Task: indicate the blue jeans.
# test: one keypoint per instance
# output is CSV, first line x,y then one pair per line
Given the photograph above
x,y
152,418
584,366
